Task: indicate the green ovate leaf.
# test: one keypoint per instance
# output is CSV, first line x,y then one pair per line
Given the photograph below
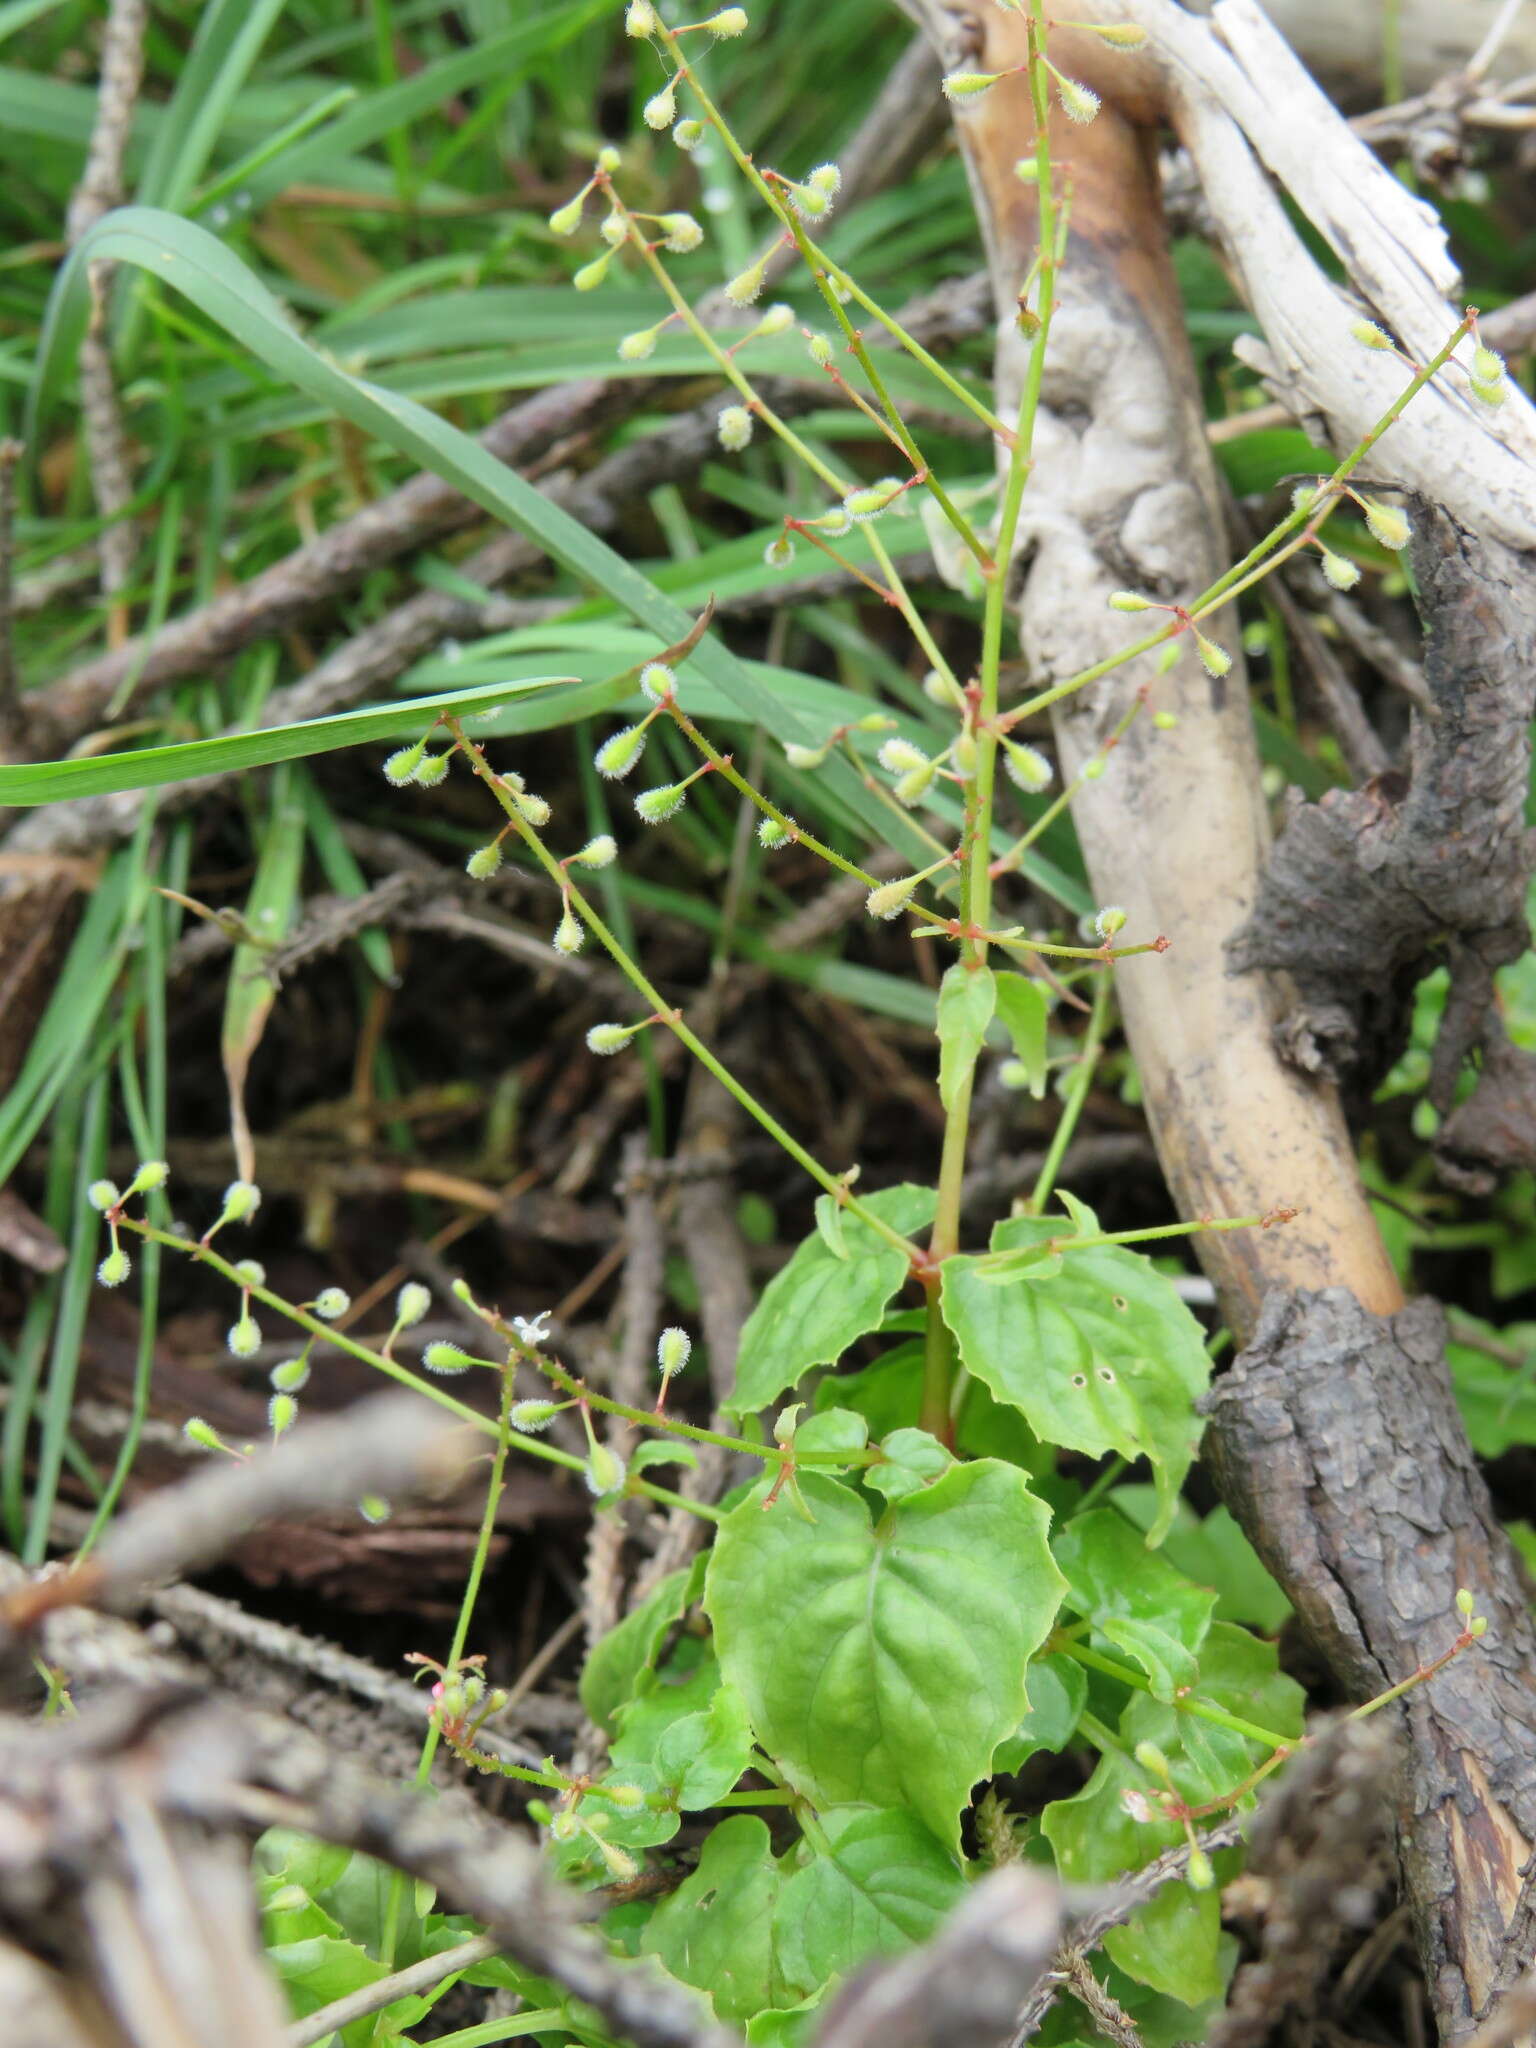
x,y
614,1667
913,1460
1497,1399
1022,1008
1138,1604
882,1664
1215,1553
701,1757
885,1886
967,998
1172,1944
716,1929
1098,1355
812,1311
1058,1693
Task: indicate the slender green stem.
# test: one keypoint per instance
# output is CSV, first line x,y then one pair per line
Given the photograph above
x,y
673,1021
534,1446
1184,1703
1077,1095
898,425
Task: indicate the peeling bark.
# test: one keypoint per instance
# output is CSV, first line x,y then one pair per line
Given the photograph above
x,y
1336,1442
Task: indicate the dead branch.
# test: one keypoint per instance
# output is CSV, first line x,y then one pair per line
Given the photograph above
x,y
99,190
1336,1442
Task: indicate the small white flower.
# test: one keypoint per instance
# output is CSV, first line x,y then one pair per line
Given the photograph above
x,y
533,1330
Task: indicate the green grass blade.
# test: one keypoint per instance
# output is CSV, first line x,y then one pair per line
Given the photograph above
x,y
213,277
50,782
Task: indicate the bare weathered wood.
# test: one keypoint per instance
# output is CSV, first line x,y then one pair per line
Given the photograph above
x,y
1336,1442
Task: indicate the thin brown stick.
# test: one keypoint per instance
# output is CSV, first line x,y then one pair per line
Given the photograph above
x,y
415,1977
100,189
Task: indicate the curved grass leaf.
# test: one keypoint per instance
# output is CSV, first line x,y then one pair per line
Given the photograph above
x,y
196,263
49,782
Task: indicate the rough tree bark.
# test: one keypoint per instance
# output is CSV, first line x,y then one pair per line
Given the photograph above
x,y
1382,1531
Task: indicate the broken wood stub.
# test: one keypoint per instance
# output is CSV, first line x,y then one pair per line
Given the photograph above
x,y
1370,888
1336,1442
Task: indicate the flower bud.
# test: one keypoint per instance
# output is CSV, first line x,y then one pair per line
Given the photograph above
x,y
374,1508
897,756
891,898
655,806
1093,771
1215,660
606,1039
640,18
608,159
874,721
806,757
1027,170
962,757
730,21
242,1198
291,1377
332,1302
1340,571
569,934
605,1470
565,220
938,689
1369,335
1109,920
1465,1601
873,500
688,134
445,1358
965,85
1389,525
634,348
282,1413
565,1827
1165,721
1151,1758
1198,1871
532,1416
1127,601
673,1348
746,284
619,752
244,1337
913,786
777,320
411,1304
401,766
660,110
1078,102
734,428
1026,767
820,350
250,1272
780,552
600,852
785,1424
152,1174
201,1433
614,230
532,808
591,275
103,1195
772,835
114,1268
1478,1626
681,233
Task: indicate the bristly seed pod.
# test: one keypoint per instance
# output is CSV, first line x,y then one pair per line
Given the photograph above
x,y
772,835
1342,573
673,1350
745,286
1389,525
891,898
484,862
600,852
1215,659
660,110
780,552
569,934
655,806
681,232
607,1039
1078,102
114,1268
734,428
965,85
657,681
730,21
619,752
